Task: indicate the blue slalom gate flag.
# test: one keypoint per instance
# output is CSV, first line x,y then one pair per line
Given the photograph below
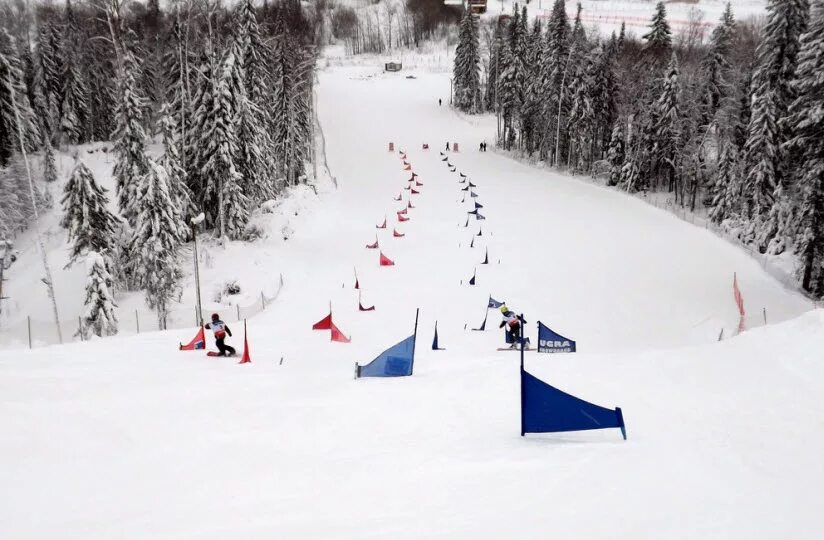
x,y
473,212
471,184
465,188
479,216
396,361
552,342
435,340
473,194
472,279
478,205
546,409
494,304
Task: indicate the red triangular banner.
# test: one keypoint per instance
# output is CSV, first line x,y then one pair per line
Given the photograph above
x,y
414,192
373,246
409,205
385,261
396,234
323,324
399,197
419,184
402,218
361,308
381,226
402,211
197,343
407,168
338,336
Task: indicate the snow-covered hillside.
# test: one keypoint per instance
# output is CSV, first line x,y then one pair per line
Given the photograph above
x,y
128,437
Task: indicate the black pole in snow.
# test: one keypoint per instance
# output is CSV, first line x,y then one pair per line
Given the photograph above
x,y
414,341
521,336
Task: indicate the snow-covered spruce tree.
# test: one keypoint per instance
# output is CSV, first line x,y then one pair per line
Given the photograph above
x,y
255,148
659,38
667,128
255,56
467,69
129,137
196,155
493,73
725,191
615,154
158,233
581,121
806,125
98,316
91,227
770,99
291,78
226,202
532,108
555,59
510,94
170,162
74,107
716,64
178,80
14,103
47,78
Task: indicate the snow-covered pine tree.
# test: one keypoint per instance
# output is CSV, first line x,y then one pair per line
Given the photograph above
x,y
129,137
555,59
493,73
667,127
14,103
532,108
725,191
91,227
226,202
196,155
715,65
170,162
158,233
510,95
581,120
255,148
47,79
806,125
98,316
770,99
615,154
74,107
659,38
467,70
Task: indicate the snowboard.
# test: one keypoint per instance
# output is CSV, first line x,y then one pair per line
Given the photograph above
x,y
526,349
216,353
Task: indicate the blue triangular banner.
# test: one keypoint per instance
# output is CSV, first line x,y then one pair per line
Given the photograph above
x,y
473,194
396,361
546,409
479,216
552,342
478,205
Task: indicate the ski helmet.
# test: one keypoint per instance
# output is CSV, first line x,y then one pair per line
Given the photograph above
x,y
215,317
504,309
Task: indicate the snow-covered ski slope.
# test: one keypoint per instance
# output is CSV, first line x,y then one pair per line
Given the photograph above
x,y
130,438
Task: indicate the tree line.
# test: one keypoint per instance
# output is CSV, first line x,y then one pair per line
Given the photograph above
x,y
732,126
227,91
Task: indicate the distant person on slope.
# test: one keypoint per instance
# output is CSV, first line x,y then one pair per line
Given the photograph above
x,y
447,146
439,102
513,325
220,329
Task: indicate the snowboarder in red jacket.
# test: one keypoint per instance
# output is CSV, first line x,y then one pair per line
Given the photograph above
x,y
221,329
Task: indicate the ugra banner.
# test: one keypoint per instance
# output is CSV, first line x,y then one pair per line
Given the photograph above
x,y
396,361
552,342
545,409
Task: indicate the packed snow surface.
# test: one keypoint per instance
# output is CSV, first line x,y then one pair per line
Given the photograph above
x,y
130,438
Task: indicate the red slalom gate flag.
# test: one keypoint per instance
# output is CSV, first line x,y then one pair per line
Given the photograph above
x,y
399,197
338,336
409,205
396,234
245,359
402,218
383,226
402,211
739,298
386,261
360,305
418,184
373,246
408,168
197,343
414,192
323,324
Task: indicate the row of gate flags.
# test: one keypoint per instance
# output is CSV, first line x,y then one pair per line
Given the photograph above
x,y
544,408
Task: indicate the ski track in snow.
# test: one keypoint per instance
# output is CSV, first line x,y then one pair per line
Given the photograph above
x,y
129,438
